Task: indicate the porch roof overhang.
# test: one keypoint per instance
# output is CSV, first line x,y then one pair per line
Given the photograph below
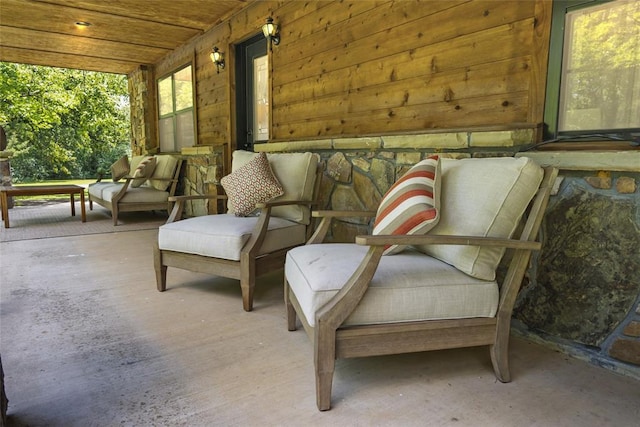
x,y
123,34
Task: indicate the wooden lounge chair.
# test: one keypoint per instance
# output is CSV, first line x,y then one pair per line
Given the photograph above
x,y
354,302
244,247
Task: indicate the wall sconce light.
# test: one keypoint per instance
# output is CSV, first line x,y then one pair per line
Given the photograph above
x,y
271,32
217,58
83,24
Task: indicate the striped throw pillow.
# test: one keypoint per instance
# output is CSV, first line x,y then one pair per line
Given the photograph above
x,y
412,204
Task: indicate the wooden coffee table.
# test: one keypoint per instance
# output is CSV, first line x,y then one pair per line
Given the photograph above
x,y
41,190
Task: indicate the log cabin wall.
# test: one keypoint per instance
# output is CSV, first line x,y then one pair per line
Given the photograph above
x,y
367,68
358,68
375,86
380,67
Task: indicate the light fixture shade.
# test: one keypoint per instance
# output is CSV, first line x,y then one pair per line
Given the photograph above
x,y
271,31
217,58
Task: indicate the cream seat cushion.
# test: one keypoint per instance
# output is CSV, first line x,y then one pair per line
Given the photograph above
x,y
95,189
296,172
409,286
137,195
224,235
107,190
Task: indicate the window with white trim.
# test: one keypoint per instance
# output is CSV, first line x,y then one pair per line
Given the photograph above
x,y
176,115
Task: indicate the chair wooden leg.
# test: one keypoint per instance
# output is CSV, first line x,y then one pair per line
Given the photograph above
x,y
247,286
161,270
291,311
247,295
247,282
500,356
323,389
325,363
114,214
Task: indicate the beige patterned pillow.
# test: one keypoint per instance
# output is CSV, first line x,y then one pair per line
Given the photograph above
x,y
143,171
296,172
251,184
120,168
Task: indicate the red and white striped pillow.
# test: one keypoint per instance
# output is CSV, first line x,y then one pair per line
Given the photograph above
x,y
412,204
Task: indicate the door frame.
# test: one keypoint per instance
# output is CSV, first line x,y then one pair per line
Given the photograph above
x,y
243,97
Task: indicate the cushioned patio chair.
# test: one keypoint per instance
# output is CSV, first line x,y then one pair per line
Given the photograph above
x,y
282,187
144,184
440,291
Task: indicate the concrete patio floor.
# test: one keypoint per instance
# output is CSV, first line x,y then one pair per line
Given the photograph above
x,y
86,340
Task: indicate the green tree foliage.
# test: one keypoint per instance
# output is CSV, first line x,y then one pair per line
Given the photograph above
x,y
602,69
62,123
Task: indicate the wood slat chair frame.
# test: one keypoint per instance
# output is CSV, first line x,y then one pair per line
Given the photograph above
x,y
116,207
333,341
251,265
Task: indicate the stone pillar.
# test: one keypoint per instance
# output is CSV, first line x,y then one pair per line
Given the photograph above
x,y
142,111
203,171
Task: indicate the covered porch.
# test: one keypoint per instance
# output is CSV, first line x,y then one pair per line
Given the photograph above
x,y
87,340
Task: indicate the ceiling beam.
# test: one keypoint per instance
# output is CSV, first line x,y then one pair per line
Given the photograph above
x,y
53,59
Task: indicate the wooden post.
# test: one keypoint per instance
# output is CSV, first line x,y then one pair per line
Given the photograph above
x,y
5,178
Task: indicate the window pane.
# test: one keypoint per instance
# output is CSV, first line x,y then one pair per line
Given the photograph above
x,y
600,87
166,135
184,89
165,96
261,98
184,132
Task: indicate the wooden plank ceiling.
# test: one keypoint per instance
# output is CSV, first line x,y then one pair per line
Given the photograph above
x,y
123,33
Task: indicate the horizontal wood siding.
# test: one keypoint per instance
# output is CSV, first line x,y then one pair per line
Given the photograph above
x,y
404,66
349,68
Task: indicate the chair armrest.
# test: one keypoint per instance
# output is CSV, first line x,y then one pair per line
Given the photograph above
x,y
273,204
325,223
343,214
384,240
182,199
123,190
163,179
338,308
252,246
178,207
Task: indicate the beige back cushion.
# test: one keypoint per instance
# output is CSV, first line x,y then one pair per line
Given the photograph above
x,y
296,172
133,164
482,197
165,168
